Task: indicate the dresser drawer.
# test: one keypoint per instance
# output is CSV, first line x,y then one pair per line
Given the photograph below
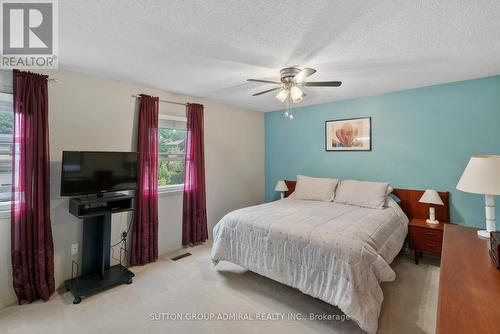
x,y
425,244
425,233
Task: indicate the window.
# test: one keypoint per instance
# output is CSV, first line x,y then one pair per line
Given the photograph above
x,y
171,152
6,118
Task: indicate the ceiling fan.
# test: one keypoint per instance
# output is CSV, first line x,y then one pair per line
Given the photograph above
x,y
292,79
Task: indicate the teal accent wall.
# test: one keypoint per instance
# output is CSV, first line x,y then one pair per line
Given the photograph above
x,y
421,138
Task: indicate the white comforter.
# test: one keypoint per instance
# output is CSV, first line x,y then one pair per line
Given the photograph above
x,y
337,253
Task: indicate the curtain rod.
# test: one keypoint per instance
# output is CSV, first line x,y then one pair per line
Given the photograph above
x,y
165,101
50,79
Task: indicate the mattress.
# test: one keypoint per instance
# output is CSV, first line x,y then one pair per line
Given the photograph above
x,y
335,252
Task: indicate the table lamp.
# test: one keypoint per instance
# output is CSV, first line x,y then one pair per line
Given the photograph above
x,y
281,187
482,176
431,197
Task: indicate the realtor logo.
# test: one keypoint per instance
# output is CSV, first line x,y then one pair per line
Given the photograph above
x,y
29,34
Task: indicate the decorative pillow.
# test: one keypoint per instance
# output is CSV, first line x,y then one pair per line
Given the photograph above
x,y
391,195
315,189
362,193
394,198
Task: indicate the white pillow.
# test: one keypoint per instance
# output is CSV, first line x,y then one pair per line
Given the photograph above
x,y
362,193
389,190
315,189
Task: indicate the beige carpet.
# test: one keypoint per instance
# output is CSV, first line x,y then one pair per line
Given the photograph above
x,y
170,290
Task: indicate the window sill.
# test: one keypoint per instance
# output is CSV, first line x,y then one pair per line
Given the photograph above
x,y
170,190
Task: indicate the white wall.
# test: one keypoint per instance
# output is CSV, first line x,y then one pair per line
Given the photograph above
x,y
90,113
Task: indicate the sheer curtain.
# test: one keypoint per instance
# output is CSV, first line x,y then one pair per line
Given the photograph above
x,y
31,235
144,248
194,213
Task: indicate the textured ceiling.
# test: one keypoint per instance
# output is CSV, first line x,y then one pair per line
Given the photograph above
x,y
209,48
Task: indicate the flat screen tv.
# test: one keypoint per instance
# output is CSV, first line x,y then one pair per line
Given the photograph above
x,y
85,173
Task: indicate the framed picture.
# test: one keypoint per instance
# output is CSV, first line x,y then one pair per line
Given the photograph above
x,y
354,134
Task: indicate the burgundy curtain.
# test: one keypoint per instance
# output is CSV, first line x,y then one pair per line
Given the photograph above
x,y
194,213
31,235
144,248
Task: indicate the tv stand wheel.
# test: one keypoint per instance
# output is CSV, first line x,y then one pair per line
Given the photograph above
x,y
77,300
130,280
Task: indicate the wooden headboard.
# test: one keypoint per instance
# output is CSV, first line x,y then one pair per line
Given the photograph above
x,y
291,187
409,202
414,209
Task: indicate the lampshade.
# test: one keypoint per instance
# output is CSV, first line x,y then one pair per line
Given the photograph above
x,y
481,176
282,95
296,94
281,186
432,197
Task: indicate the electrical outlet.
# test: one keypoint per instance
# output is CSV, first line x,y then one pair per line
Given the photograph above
x,y
74,249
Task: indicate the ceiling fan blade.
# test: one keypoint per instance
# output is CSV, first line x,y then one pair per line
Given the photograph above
x,y
323,84
302,75
266,81
266,91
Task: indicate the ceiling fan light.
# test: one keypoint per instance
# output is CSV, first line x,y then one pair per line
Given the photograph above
x,y
282,95
296,94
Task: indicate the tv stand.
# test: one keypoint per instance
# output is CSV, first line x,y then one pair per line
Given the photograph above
x,y
96,273
104,195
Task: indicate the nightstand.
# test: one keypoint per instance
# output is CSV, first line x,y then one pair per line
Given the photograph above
x,y
425,238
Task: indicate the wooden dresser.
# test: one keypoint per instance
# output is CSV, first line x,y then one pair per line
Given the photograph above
x,y
469,284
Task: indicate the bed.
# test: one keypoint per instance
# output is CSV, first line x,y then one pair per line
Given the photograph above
x,y
335,252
